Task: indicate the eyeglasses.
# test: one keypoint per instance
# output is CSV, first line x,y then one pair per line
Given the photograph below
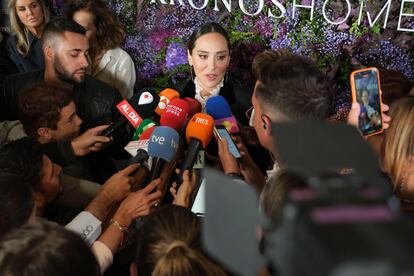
x,y
249,114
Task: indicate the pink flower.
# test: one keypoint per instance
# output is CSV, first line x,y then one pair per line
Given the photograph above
x,y
342,27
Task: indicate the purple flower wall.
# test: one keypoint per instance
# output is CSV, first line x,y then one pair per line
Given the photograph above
x,y
157,34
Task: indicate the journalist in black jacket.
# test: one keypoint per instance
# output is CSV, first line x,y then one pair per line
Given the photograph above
x,y
96,105
95,100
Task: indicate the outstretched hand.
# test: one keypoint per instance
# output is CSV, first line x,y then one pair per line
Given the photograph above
x,y
139,203
89,141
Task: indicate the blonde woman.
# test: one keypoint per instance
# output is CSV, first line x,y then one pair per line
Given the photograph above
x,y
398,160
169,243
28,19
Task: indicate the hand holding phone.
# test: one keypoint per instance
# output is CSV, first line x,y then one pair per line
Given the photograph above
x,y
221,133
365,85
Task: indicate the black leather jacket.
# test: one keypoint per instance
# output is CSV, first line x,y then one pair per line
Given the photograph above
x,y
96,105
95,100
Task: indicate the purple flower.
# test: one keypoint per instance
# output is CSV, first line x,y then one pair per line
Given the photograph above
x,y
175,56
158,39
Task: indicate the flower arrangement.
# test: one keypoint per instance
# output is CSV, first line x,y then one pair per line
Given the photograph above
x,y
157,34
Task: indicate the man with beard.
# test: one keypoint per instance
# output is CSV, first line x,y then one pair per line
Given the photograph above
x,y
65,47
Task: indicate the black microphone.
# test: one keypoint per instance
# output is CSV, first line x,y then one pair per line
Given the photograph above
x,y
162,147
138,107
198,133
141,157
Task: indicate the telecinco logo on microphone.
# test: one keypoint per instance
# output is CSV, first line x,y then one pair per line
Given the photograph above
x,y
145,98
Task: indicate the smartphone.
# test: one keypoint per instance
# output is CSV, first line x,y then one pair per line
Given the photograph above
x,y
222,133
365,85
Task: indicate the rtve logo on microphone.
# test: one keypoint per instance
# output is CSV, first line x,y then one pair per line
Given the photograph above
x,y
161,139
174,145
158,139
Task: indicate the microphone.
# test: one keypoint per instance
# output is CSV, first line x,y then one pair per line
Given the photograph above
x,y
198,134
140,157
166,96
162,147
143,126
139,106
219,109
195,106
147,133
175,114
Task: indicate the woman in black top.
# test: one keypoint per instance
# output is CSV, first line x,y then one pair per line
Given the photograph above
x,y
7,67
209,58
27,19
208,52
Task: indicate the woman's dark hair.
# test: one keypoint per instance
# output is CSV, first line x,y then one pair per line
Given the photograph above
x,y
170,244
16,202
45,248
211,27
109,31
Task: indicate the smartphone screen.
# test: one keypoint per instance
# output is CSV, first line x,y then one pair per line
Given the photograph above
x,y
223,134
366,91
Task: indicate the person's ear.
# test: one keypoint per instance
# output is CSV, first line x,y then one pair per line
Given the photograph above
x,y
49,52
133,271
267,124
40,201
190,58
44,133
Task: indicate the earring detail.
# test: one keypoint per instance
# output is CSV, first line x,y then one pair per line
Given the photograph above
x,y
191,72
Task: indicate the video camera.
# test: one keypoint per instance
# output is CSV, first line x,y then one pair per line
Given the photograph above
x,y
339,224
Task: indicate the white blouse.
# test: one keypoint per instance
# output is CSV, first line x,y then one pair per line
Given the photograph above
x,y
117,69
203,100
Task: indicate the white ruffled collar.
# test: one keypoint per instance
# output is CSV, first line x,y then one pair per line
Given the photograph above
x,y
213,92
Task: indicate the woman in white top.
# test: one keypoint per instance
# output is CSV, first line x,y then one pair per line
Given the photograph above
x,y
108,62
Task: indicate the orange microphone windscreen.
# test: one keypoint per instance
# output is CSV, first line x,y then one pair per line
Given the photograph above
x,y
200,127
166,96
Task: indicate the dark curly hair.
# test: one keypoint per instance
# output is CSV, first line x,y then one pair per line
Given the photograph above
x,y
109,31
40,105
16,202
23,157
